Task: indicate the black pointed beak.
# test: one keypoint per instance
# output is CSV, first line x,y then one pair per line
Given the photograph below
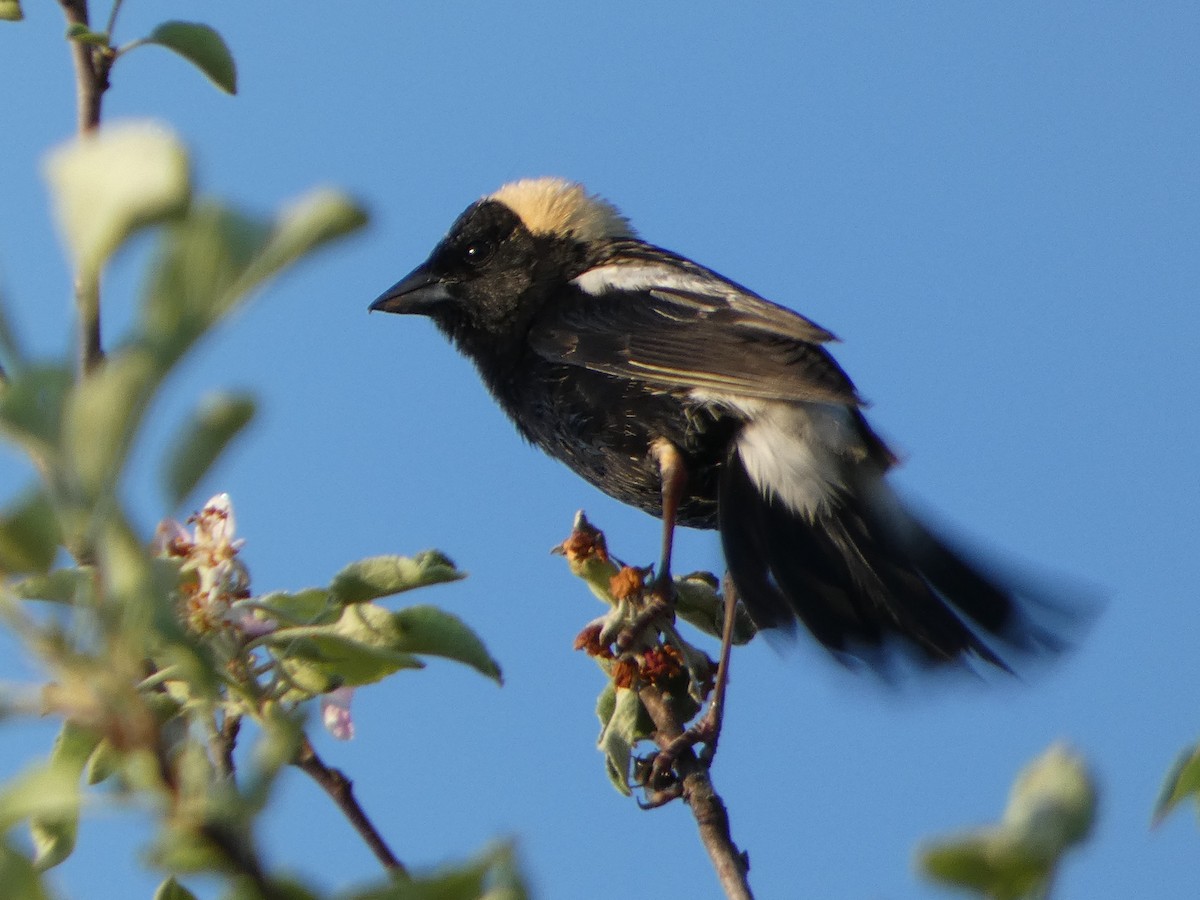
x,y
418,293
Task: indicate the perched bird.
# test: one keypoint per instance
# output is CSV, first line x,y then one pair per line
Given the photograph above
x,y
680,392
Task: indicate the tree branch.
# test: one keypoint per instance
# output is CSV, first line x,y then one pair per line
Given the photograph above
x,y
341,790
731,864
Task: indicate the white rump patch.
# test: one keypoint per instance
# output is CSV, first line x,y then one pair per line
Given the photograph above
x,y
795,451
563,208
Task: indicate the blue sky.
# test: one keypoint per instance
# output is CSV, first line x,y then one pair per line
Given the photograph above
x,y
995,206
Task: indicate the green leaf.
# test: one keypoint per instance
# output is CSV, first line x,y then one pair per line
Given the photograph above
x,y
382,576
360,648
57,586
54,831
202,440
493,875
306,223
29,535
19,877
619,710
700,604
31,409
10,11
202,47
104,762
173,890
990,862
49,796
1182,782
368,643
311,606
108,185
81,34
140,589
103,415
210,262
429,630
195,276
1051,808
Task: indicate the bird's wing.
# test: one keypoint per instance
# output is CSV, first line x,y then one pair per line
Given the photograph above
x,y
678,326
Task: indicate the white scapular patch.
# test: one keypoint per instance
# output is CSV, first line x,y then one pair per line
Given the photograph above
x,y
632,277
794,451
564,208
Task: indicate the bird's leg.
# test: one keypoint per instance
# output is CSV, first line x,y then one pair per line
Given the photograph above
x,y
707,729
673,474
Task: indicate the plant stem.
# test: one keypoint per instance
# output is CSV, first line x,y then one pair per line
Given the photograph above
x,y
707,807
225,743
91,81
341,790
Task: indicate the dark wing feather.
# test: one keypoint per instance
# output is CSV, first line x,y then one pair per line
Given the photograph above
x,y
682,327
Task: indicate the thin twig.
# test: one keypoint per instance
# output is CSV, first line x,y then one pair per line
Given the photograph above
x,y
91,76
732,865
92,64
225,743
341,791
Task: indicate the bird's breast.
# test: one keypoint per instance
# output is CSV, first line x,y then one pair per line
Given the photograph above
x,y
603,428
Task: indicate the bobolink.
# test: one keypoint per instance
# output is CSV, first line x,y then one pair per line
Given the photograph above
x,y
680,392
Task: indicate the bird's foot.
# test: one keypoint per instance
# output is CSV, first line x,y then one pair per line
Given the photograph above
x,y
660,605
706,731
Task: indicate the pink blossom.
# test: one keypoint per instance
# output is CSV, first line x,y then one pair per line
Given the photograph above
x,y
335,713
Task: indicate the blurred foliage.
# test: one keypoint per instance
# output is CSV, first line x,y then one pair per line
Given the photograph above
x,y
1051,809
156,649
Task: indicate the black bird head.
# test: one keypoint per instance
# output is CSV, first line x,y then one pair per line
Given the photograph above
x,y
502,257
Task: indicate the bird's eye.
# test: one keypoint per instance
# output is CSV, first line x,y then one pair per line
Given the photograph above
x,y
478,252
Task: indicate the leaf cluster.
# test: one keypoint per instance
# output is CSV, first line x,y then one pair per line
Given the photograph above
x,y
157,651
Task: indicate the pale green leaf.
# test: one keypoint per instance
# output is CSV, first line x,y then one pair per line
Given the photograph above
x,y
29,535
311,606
104,762
31,409
41,791
314,219
493,875
382,576
173,890
620,733
103,415
700,604
195,276
140,587
369,642
81,34
19,877
1051,808
431,631
109,184
1182,781
362,647
54,831
320,663
990,861
57,586
1053,803
203,438
10,11
202,47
